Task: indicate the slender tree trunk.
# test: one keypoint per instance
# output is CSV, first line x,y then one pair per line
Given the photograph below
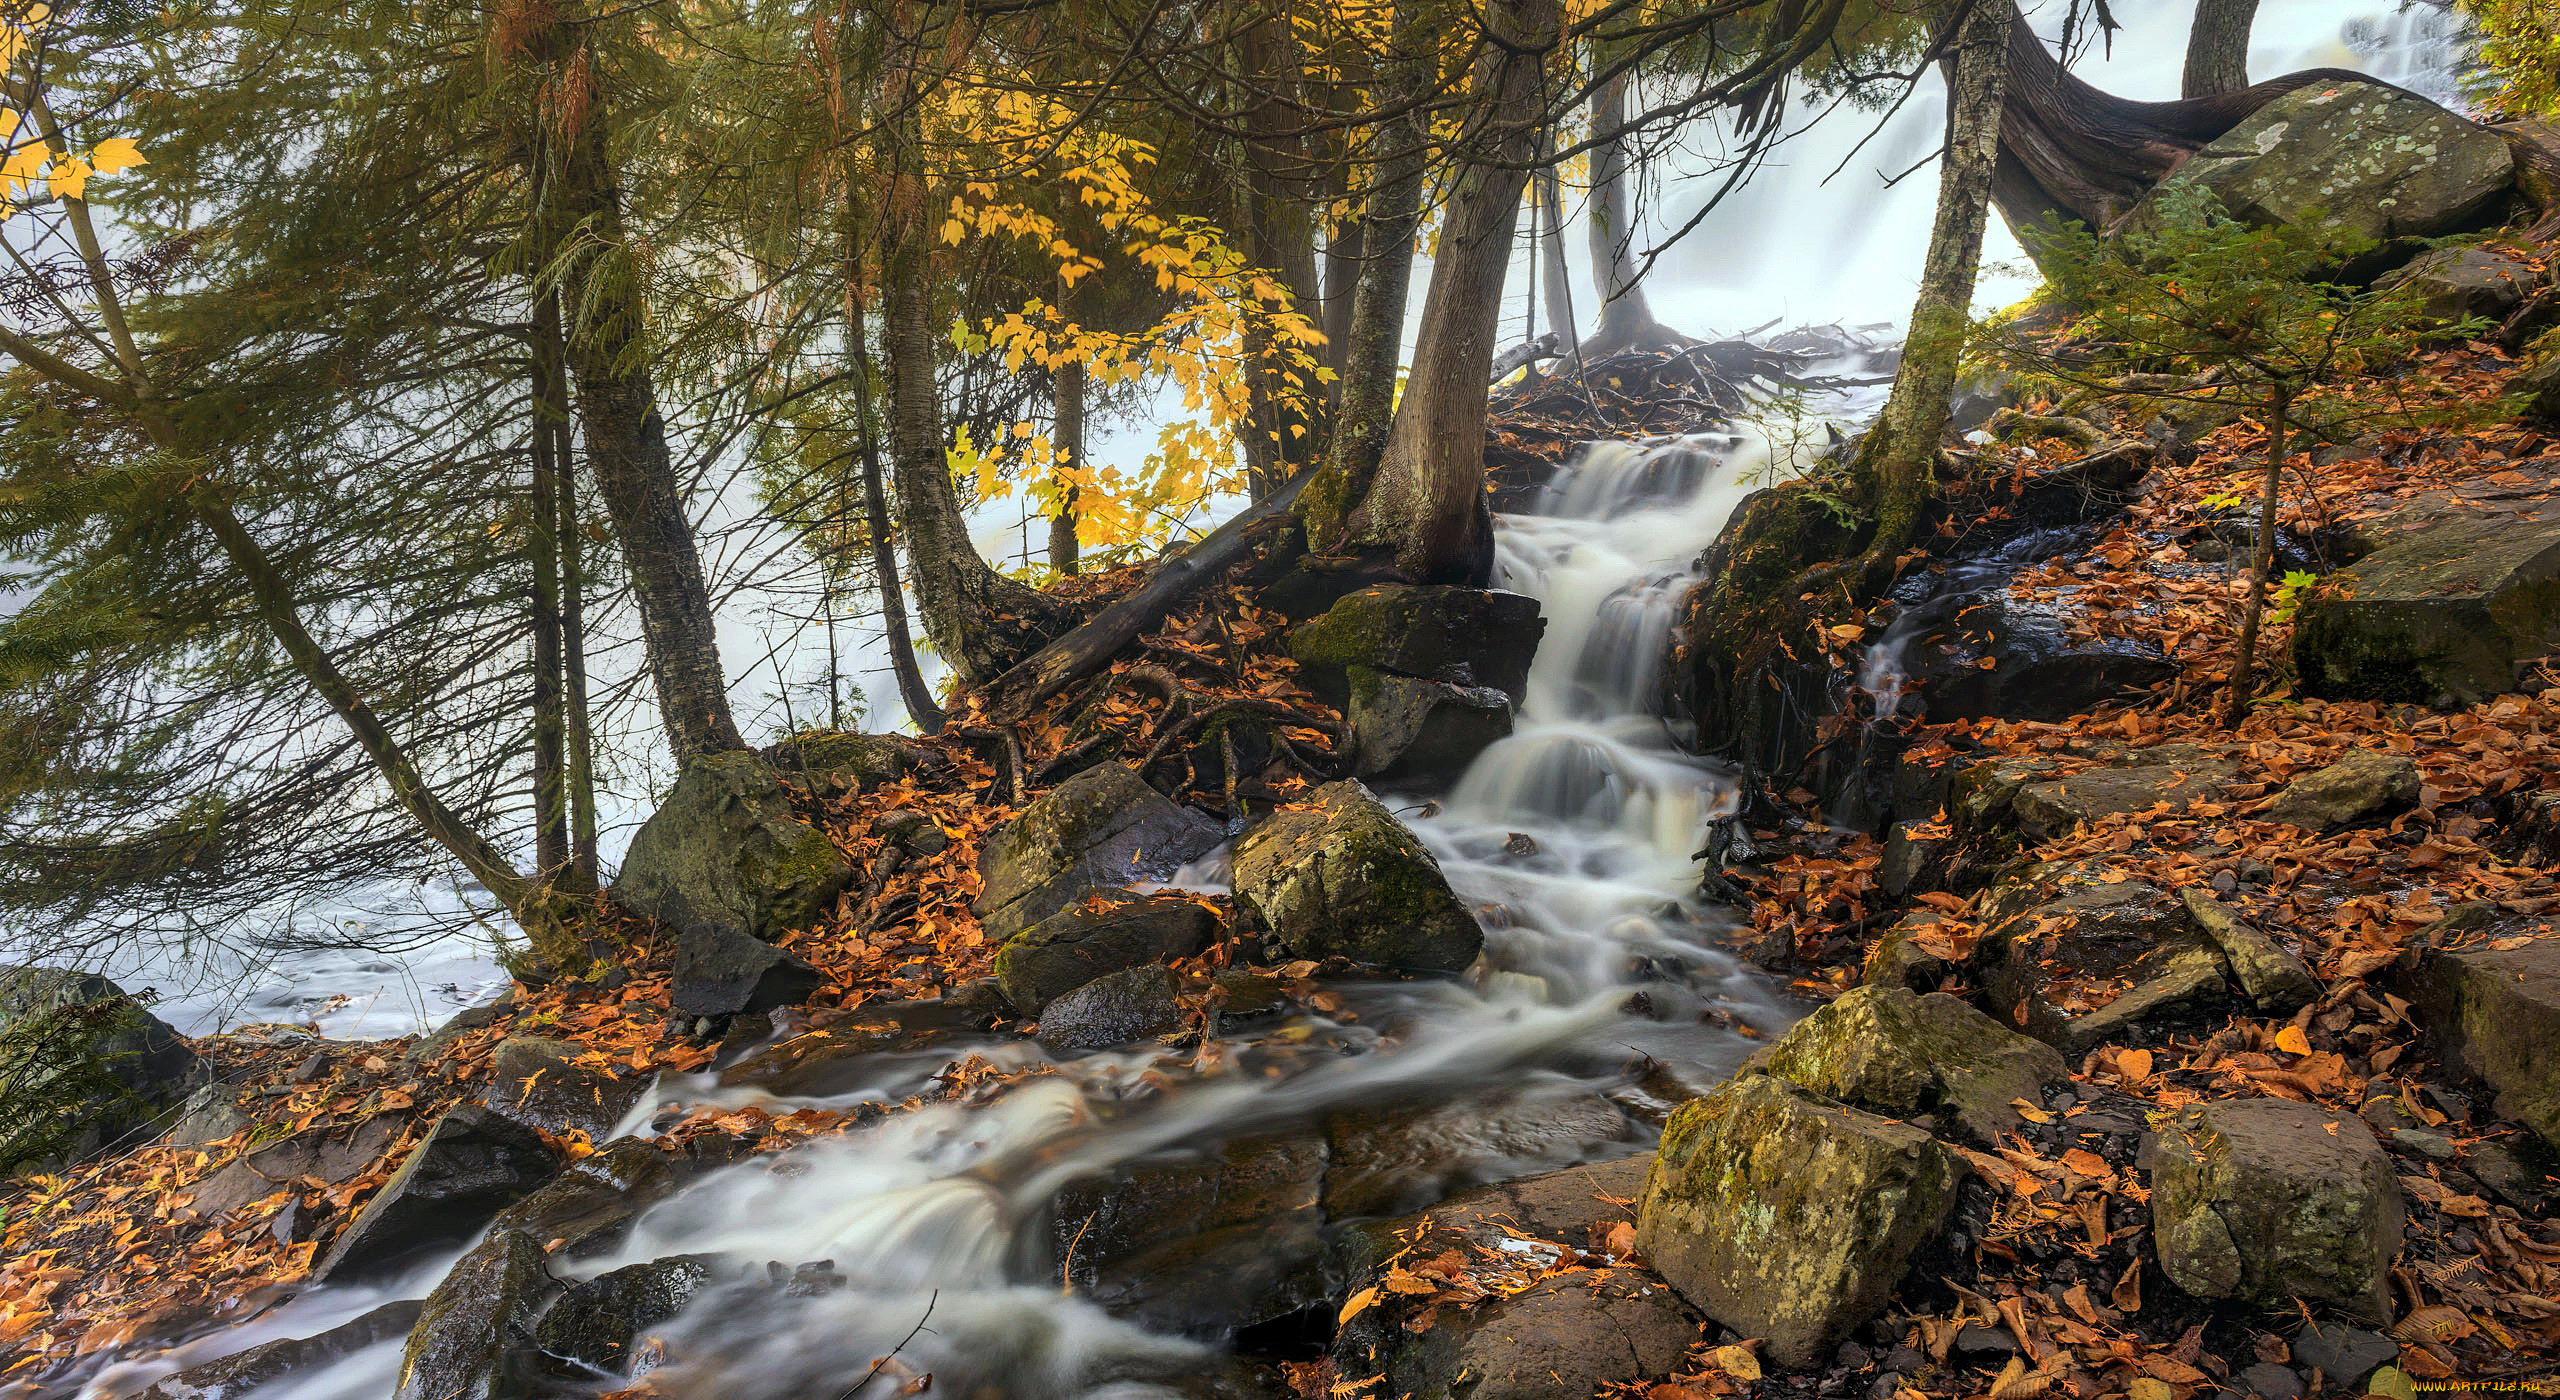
x,y
584,871
1278,218
1626,318
1346,251
1427,503
1068,438
922,707
2218,48
550,704
980,621
1894,464
2262,562
1558,276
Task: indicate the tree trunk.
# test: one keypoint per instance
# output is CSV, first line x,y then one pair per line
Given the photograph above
x,y
583,868
549,400
1552,266
980,621
1279,217
627,452
1626,318
2235,706
2218,48
1427,503
1068,440
1893,466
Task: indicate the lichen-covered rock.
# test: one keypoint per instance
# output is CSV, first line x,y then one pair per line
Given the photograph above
x,y
472,1164
1341,877
471,1339
1415,730
2275,979
81,1064
1103,932
2052,807
1787,1218
2359,162
2450,611
1104,826
844,761
1138,1003
537,1080
243,1372
2496,1015
2457,284
595,1322
1910,1056
1465,636
2267,1201
2361,786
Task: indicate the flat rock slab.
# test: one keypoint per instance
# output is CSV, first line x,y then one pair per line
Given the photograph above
x,y
541,1082
1104,826
245,1371
1202,1243
2495,1013
2451,611
1136,1004
1788,1218
2268,1201
1102,932
2359,787
2055,806
1885,1049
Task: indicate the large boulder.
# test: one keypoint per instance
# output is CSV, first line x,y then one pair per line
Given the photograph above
x,y
473,1338
1788,1218
1415,730
595,1322
2359,787
82,1064
2495,1013
726,864
2458,284
1135,1004
2268,1201
473,1163
1103,932
1104,826
2451,611
1465,636
1906,1056
2359,162
1341,877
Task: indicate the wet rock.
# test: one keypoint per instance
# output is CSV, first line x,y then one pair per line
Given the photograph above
x,y
82,1064
333,1155
1104,826
470,1341
2357,162
1465,636
538,1081
1397,1158
2273,978
845,762
245,1371
1138,1004
427,1048
843,1055
1413,730
589,1207
209,1115
720,971
1910,955
2451,610
2503,1171
2457,284
2036,669
1906,1056
2267,1201
2086,939
1907,858
2269,1381
2344,1356
2053,807
1790,1219
1201,1245
1341,877
2495,1016
2359,787
1574,1334
472,1164
595,1322
1103,932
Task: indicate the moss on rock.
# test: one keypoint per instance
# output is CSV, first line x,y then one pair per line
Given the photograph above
x,y
1341,877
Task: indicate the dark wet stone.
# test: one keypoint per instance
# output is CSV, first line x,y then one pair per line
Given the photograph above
x,y
1398,1158
244,1371
1102,827
844,1055
720,971
2269,1381
88,1065
1202,1243
1124,1008
1464,636
1103,932
2086,933
472,1164
1576,1334
472,1337
596,1322
1421,731
2037,669
537,1081
2345,1356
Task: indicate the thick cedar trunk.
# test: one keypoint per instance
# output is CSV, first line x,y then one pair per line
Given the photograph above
x,y
1427,502
1626,319
2218,48
551,844
980,621
1279,224
1068,439
627,453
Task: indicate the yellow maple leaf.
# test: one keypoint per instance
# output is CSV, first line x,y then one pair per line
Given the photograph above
x,y
69,177
116,153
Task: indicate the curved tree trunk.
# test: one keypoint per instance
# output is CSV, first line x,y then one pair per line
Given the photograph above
x,y
1626,318
1427,503
2218,48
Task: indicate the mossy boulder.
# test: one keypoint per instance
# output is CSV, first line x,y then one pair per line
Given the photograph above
x,y
1910,1056
2268,1201
2360,163
1415,730
2449,612
833,761
1103,932
1341,877
1790,1218
82,1064
473,1338
2495,1014
1104,826
2363,786
596,1321
1464,636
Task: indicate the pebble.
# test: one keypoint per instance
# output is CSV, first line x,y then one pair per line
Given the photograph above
x,y
2432,1146
2269,1381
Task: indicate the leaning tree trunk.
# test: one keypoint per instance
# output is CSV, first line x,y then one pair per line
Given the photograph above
x,y
2218,48
1427,504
